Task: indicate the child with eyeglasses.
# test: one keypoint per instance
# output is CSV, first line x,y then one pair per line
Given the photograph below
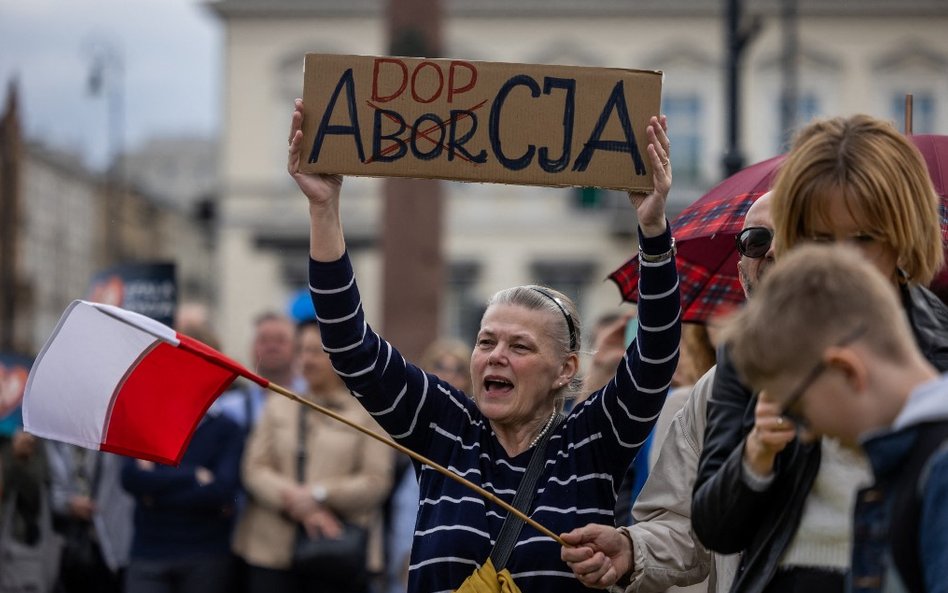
x,y
867,384
782,500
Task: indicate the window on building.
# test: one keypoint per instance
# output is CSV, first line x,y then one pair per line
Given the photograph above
x,y
462,308
588,198
684,111
570,278
808,108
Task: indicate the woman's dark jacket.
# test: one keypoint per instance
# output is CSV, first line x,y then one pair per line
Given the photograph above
x,y
728,516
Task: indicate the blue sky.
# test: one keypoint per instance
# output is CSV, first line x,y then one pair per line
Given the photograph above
x,y
171,51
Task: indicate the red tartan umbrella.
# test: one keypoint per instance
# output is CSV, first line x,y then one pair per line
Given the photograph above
x,y
704,234
935,150
707,256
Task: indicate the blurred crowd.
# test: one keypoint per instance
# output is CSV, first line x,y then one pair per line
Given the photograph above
x,y
801,447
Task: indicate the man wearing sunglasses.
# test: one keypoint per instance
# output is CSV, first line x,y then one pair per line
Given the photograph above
x,y
858,375
660,550
755,244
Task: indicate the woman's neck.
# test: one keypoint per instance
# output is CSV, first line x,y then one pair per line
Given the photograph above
x,y
517,439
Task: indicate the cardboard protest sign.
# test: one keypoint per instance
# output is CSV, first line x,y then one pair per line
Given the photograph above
x,y
478,121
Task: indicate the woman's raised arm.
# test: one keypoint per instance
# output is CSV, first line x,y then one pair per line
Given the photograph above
x,y
326,240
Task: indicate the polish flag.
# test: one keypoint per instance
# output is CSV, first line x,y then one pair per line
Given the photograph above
x,y
118,381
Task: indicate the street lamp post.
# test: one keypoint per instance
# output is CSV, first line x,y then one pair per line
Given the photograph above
x,y
107,77
738,34
789,61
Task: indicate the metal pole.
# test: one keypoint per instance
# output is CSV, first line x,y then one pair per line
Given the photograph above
x,y
107,77
790,67
737,38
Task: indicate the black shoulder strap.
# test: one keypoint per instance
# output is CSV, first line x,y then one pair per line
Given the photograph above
x,y
907,504
301,448
248,408
96,483
510,530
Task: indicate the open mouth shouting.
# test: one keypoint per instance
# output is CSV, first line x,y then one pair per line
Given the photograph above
x,y
495,385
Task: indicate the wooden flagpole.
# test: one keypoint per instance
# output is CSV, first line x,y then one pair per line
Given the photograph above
x,y
908,115
419,458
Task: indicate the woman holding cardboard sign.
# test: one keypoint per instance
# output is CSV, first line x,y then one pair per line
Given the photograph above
x,y
524,366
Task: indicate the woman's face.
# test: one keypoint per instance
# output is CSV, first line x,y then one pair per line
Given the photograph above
x,y
452,369
842,226
316,366
516,365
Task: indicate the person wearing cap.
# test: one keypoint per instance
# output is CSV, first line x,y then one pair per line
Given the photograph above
x,y
524,365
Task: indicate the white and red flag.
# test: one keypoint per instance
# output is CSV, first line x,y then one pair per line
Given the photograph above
x,y
121,382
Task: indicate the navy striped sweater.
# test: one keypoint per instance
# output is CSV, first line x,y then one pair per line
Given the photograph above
x,y
586,457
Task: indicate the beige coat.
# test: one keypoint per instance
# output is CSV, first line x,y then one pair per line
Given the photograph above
x,y
355,470
666,551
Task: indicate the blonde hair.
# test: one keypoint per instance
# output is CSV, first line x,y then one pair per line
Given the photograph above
x,y
697,353
884,181
813,298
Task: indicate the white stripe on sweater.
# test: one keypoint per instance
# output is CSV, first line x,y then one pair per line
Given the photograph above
x,y
467,528
660,328
414,420
654,297
442,559
333,290
342,319
473,499
656,361
649,264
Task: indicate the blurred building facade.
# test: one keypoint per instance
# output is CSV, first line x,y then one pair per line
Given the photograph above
x,y
55,219
179,170
852,57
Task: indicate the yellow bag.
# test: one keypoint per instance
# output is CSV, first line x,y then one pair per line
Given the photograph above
x,y
486,579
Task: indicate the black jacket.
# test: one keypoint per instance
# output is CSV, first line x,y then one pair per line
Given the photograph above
x,y
729,517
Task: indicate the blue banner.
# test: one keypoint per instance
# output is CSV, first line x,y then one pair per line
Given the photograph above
x,y
146,288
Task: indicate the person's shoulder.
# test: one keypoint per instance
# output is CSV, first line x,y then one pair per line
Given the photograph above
x,y
230,399
697,402
936,466
677,398
221,421
927,302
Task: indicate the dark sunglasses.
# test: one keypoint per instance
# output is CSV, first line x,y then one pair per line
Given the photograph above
x,y
754,242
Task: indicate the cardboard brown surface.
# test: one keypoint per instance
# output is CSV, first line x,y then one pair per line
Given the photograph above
x,y
478,121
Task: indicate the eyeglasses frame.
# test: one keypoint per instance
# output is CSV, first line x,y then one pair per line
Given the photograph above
x,y
797,394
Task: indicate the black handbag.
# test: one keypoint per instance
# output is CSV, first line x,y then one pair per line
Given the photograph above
x,y
344,556
82,557
339,563
30,566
